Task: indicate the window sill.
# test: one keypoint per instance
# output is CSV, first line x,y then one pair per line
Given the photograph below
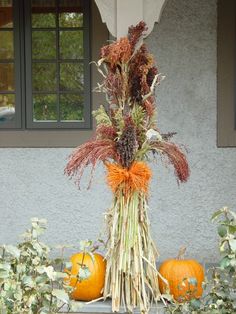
x,y
44,138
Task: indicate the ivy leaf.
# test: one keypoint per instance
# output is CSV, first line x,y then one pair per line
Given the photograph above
x,y
60,295
222,231
196,304
233,262
4,274
232,229
84,245
14,251
225,262
75,306
216,214
232,243
50,272
28,281
192,281
60,275
68,265
84,273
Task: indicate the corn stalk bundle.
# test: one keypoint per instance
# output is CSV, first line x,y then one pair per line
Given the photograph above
x,y
126,138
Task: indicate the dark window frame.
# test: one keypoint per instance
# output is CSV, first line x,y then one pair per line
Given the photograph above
x,y
23,73
17,123
226,74
63,138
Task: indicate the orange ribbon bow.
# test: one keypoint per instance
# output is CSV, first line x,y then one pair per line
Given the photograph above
x,y
136,178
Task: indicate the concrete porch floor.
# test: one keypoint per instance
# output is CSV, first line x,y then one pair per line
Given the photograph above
x,y
104,307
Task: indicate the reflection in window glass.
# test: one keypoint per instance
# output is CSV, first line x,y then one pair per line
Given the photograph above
x,y
6,14
45,108
71,44
71,76
6,45
43,20
7,107
71,19
55,72
71,107
7,77
44,76
44,45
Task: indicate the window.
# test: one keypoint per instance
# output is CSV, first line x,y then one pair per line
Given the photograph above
x,y
9,68
226,70
44,64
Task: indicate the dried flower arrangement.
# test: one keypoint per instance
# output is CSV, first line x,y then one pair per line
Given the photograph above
x,y
126,137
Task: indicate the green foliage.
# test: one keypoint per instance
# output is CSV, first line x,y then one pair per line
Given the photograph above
x,y
101,116
31,282
138,115
220,289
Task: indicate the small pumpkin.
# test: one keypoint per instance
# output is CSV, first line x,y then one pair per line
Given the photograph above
x,y
184,277
90,288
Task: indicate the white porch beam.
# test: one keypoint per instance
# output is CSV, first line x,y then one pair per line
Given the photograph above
x,y
120,14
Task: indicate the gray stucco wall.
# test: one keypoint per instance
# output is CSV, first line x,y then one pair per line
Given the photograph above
x,y
32,181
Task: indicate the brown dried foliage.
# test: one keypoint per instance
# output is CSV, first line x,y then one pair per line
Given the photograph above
x,y
176,157
135,33
142,73
106,132
117,52
127,145
89,153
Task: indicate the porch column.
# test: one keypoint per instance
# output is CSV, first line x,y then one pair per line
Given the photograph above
x,y
120,14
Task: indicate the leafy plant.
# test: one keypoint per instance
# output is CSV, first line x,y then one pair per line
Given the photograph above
x,y
220,289
30,281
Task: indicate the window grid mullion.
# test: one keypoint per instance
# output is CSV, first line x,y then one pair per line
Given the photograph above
x,y
57,62
5,61
54,61
85,123
57,26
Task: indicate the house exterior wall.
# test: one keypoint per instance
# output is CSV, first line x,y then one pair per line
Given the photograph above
x,y
32,180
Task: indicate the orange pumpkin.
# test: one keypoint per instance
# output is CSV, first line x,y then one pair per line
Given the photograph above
x,y
185,278
90,288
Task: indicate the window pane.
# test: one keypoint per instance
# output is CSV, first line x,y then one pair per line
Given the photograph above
x,y
71,6
43,13
43,20
71,76
43,45
7,77
6,45
71,44
71,107
6,16
45,108
7,107
44,76
71,19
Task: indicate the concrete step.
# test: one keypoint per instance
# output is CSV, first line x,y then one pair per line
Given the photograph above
x,y
104,307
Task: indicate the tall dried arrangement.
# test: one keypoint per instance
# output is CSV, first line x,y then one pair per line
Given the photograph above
x,y
126,138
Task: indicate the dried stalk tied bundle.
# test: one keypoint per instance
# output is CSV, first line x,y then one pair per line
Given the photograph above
x,y
126,137
131,275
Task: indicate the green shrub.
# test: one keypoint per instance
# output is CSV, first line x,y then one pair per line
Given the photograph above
x,y
30,281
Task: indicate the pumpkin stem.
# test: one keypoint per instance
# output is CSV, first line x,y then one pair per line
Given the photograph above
x,y
181,252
